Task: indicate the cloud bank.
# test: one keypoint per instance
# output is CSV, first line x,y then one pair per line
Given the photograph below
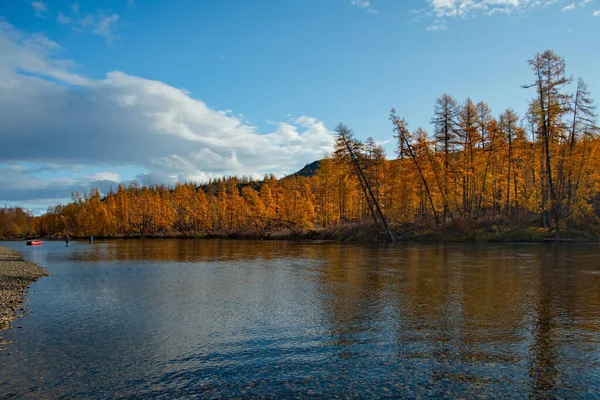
x,y
54,118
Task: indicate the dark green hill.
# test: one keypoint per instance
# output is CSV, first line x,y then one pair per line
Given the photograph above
x,y
309,170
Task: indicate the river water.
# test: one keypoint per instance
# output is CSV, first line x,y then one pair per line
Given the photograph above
x,y
223,319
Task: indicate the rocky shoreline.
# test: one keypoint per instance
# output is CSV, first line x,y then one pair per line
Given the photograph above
x,y
15,276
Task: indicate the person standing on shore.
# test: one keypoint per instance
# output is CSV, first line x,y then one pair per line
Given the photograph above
x,y
91,239
67,239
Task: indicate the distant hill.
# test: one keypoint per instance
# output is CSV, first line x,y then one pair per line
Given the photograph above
x,y
309,170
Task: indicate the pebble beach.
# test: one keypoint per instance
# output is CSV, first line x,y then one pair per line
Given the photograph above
x,y
15,276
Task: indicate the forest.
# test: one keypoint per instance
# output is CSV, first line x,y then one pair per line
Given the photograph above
x,y
477,176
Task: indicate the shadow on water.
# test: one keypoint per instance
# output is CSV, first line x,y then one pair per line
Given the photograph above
x,y
218,318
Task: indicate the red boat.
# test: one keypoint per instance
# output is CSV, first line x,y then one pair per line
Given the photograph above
x,y
34,242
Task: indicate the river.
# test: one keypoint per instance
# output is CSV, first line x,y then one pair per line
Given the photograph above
x,y
222,319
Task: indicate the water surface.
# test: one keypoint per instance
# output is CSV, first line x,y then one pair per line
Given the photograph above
x,y
217,318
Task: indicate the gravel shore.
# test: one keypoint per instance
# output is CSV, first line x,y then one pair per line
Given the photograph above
x,y
15,276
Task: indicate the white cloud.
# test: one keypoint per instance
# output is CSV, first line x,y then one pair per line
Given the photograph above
x,y
465,8
596,13
106,26
102,23
40,8
63,19
441,11
50,115
438,25
104,176
361,3
364,4
31,54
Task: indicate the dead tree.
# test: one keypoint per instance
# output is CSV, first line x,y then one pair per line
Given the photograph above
x,y
349,147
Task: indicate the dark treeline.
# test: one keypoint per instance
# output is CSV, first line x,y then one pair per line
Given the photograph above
x,y
476,170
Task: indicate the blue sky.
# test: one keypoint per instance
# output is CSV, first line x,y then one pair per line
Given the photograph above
x,y
101,92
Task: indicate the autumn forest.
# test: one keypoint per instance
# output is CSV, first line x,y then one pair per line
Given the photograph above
x,y
478,175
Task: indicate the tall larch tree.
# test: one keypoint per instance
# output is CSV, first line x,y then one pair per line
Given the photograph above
x,y
445,122
469,135
549,107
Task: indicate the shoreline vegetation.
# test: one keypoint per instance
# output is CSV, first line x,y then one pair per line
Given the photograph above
x,y
369,232
15,277
477,177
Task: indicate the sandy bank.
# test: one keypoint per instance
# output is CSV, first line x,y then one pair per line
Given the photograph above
x,y
15,276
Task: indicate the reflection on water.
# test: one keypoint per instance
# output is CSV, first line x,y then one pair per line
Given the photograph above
x,y
216,318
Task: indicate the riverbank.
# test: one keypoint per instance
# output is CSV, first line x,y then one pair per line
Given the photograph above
x,y
15,276
369,232
459,231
